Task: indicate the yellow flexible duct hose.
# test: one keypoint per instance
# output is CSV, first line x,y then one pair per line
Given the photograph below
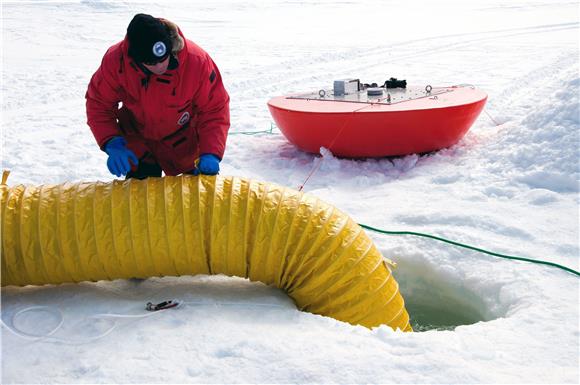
x,y
188,225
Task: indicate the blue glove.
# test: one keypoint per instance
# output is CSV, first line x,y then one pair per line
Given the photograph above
x,y
119,156
208,164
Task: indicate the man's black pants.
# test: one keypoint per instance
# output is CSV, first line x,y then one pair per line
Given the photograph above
x,y
145,170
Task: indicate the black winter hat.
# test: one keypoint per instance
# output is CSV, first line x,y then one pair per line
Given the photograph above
x,y
149,40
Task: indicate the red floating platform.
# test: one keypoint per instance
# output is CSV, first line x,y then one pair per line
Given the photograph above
x,y
363,124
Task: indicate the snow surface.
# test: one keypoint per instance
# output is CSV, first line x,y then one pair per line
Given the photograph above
x,y
511,185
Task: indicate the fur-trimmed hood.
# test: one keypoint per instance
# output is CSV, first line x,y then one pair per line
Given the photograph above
x,y
175,34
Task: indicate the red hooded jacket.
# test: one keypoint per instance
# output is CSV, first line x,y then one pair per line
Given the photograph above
x,y
170,119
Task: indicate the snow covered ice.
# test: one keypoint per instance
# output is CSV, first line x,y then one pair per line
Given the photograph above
x,y
510,185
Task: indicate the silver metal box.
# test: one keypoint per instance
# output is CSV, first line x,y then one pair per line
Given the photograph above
x,y
346,86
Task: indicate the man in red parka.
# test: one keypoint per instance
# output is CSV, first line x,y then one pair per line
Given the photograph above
x,y
157,103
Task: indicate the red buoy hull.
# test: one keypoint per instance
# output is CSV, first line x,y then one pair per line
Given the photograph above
x,y
357,130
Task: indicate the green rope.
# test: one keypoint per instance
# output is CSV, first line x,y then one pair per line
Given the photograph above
x,y
270,131
471,248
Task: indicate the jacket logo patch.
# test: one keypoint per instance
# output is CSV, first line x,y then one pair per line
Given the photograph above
x,y
212,76
184,118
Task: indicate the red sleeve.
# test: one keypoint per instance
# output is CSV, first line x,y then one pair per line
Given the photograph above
x,y
213,104
102,101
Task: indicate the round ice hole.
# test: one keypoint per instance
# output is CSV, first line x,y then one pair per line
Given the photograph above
x,y
437,299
